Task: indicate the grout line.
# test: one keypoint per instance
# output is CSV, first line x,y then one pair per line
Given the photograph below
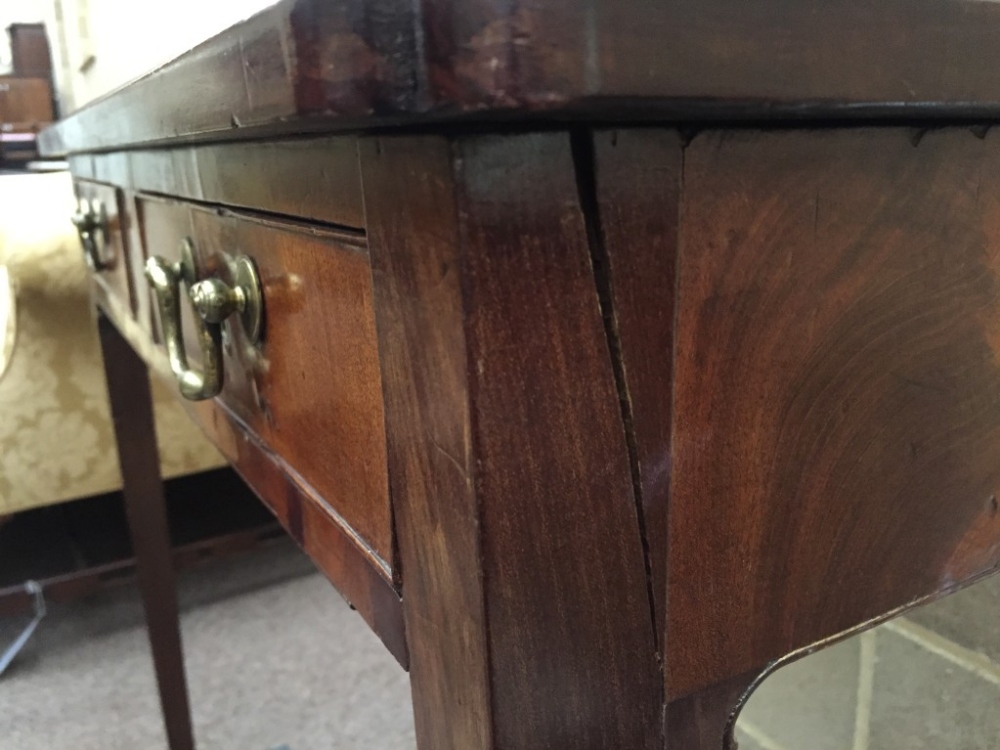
x,y
758,736
970,660
866,686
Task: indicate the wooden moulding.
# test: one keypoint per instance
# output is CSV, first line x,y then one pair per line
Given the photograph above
x,y
312,179
308,65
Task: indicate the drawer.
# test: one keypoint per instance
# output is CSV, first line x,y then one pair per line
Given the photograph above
x,y
103,224
310,388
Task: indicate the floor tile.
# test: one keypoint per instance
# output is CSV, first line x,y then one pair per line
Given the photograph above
x,y
923,701
810,704
969,617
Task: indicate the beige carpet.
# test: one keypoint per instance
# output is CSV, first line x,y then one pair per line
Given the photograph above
x,y
274,655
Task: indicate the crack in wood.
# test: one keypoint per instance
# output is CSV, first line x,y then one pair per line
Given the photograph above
x,y
584,168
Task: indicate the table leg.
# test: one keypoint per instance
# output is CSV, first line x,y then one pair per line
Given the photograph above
x,y
527,598
704,720
132,411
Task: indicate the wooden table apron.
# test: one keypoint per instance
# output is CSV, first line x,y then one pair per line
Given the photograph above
x,y
601,382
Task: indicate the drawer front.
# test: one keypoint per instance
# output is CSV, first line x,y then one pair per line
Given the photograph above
x,y
310,389
111,269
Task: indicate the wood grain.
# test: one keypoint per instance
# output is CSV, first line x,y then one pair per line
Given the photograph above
x,y
507,451
311,390
552,466
637,182
306,65
836,414
314,179
413,241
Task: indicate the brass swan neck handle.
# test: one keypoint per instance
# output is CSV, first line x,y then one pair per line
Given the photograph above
x,y
213,302
91,222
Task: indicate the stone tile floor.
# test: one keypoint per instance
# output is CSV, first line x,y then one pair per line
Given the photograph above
x,y
927,681
275,657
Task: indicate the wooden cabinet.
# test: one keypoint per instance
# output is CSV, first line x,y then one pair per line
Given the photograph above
x,y
25,104
612,356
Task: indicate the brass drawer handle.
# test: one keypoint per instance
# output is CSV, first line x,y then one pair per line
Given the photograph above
x,y
91,221
213,301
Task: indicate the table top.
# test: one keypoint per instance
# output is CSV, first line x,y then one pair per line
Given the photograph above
x,y
324,65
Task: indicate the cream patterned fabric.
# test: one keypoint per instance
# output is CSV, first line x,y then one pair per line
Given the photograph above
x,y
56,439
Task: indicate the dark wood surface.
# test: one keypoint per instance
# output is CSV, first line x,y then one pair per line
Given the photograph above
x,y
835,396
311,389
705,720
142,487
525,589
307,65
637,183
415,269
315,179
612,420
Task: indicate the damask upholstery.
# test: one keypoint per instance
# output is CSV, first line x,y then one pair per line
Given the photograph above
x,y
56,439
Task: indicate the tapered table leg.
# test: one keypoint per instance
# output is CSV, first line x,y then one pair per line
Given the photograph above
x,y
132,411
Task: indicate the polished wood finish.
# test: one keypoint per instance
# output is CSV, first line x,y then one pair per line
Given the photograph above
x,y
311,178
612,420
637,188
311,64
835,394
415,266
142,487
507,450
311,389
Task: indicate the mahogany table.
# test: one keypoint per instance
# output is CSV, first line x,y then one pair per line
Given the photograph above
x,y
604,354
